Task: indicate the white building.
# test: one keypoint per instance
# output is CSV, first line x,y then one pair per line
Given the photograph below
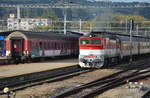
x,y
26,23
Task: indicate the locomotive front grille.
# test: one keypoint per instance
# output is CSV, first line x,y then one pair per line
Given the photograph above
x,y
91,60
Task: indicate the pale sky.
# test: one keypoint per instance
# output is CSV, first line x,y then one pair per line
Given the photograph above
x,y
125,0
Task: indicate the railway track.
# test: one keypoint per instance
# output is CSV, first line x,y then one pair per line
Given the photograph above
x,y
53,76
146,95
101,85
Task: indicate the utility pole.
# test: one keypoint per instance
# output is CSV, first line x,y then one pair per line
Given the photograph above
x,y
65,16
137,29
126,24
18,17
90,27
131,28
145,33
80,25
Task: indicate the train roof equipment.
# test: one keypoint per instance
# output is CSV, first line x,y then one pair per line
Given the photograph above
x,y
99,33
39,35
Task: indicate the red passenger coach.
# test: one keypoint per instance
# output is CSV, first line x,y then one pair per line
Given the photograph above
x,y
25,44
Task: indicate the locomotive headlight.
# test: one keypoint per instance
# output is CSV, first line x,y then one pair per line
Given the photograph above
x,y
81,56
82,60
99,57
102,58
8,53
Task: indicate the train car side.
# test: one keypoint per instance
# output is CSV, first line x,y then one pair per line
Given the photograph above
x,y
24,45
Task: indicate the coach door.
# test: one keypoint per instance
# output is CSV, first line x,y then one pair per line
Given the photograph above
x,y
17,47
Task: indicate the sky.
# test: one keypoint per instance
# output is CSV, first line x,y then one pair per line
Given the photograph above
x,y
126,0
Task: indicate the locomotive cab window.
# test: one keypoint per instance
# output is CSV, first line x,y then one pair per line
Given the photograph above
x,y
95,41
84,41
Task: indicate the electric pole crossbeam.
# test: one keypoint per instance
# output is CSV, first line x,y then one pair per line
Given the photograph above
x,y
72,6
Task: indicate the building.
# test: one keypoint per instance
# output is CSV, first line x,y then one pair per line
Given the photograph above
x,y
26,23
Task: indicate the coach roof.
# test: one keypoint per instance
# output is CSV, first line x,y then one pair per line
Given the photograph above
x,y
28,35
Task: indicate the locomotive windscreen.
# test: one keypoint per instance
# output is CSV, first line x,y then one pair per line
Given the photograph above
x,y
84,41
95,41
90,41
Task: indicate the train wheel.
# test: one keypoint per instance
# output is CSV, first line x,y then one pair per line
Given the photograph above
x,y
16,61
118,60
78,66
106,63
6,61
29,60
23,61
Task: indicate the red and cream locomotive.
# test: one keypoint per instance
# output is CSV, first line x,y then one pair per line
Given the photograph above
x,y
100,49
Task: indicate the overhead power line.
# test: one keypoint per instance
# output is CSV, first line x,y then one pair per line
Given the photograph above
x,y
74,6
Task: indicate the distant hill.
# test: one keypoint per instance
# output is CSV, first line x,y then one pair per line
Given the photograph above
x,y
72,14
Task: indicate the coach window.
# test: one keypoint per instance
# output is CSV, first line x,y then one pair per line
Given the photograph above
x,y
55,45
44,44
51,44
40,45
36,44
67,45
70,45
32,44
48,45
62,45
58,45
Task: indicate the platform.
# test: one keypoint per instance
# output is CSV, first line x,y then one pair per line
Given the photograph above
x,y
19,69
3,57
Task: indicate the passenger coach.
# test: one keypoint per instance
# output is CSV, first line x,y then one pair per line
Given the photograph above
x,y
24,44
